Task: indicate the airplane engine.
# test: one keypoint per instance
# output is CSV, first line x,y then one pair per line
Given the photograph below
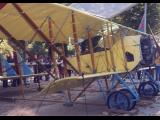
x,y
148,50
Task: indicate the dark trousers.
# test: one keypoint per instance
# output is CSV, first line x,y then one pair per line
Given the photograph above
x,y
37,69
5,83
49,69
16,82
36,79
69,72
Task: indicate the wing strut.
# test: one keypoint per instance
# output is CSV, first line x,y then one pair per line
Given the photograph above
x,y
36,28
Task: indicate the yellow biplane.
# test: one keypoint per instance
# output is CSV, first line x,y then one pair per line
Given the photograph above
x,y
101,48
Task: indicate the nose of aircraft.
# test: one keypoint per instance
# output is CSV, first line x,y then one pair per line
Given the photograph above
x,y
148,50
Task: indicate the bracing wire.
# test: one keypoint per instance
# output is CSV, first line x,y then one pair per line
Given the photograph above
x,y
85,98
42,24
60,28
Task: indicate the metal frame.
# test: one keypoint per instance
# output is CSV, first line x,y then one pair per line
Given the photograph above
x,y
118,78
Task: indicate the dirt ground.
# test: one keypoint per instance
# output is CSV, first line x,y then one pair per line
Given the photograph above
x,y
91,103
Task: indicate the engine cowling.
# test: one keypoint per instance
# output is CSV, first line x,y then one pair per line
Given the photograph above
x,y
148,50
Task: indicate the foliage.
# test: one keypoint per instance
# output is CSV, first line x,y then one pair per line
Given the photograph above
x,y
5,48
132,17
38,48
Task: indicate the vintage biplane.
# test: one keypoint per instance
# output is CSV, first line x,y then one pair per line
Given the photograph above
x,y
101,49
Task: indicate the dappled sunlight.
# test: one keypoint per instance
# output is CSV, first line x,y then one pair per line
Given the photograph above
x,y
21,111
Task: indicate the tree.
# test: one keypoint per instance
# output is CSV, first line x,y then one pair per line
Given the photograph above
x,y
5,48
132,17
38,48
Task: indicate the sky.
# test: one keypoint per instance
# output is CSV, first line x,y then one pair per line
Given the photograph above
x,y
105,10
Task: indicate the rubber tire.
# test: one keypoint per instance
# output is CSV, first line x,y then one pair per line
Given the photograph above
x,y
116,93
156,86
129,93
142,85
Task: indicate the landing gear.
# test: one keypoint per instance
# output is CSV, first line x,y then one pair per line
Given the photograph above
x,y
148,89
122,99
156,86
131,97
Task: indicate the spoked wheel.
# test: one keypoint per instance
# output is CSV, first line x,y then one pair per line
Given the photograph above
x,y
118,100
147,89
131,98
156,86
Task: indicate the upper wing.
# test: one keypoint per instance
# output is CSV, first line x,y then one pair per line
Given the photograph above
x,y
61,16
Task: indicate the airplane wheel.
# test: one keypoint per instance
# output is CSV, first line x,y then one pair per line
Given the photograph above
x,y
131,97
147,89
156,86
118,100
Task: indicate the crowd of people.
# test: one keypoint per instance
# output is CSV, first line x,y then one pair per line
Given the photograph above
x,y
46,64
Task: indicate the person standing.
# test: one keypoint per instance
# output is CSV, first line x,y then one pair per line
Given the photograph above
x,y
16,82
60,67
5,82
35,69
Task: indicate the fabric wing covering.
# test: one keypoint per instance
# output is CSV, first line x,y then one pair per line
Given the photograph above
x,y
61,16
72,82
